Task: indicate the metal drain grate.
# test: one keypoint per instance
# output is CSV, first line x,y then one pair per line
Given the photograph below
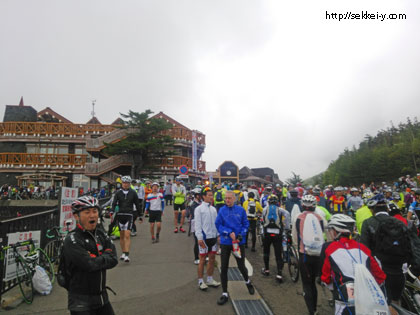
x,y
234,274
251,307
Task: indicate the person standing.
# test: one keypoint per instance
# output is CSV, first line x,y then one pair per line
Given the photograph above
x,y
254,211
219,197
125,199
88,253
310,240
232,225
179,193
168,193
206,234
155,205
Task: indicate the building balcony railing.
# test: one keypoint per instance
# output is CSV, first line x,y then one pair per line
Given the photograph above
x,y
175,162
45,161
179,133
52,129
97,169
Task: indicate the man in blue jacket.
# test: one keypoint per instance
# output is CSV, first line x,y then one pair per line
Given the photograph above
x,y
232,225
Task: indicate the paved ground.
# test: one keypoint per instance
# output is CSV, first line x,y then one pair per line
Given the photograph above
x,y
160,279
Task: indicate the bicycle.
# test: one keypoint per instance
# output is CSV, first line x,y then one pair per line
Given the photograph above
x,y
411,295
260,232
291,257
54,247
26,266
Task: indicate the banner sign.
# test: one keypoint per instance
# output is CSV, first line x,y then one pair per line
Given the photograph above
x,y
68,195
194,151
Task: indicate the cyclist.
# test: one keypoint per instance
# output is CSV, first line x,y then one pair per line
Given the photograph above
x,y
207,234
219,197
398,202
125,199
195,203
155,204
232,225
337,201
414,207
335,261
179,192
88,253
253,211
267,193
273,234
238,194
293,200
379,230
310,241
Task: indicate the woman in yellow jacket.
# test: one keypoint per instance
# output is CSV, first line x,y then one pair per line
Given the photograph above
x,y
253,211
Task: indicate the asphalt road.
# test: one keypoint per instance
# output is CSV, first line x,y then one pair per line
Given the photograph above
x,y
160,279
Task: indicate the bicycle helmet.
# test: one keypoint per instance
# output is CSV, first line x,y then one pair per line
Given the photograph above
x,y
354,189
126,179
83,203
294,193
251,195
378,200
273,200
308,202
396,196
31,257
341,223
155,183
196,191
316,192
338,188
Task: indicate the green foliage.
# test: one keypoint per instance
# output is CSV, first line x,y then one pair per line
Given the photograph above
x,y
146,143
390,154
294,180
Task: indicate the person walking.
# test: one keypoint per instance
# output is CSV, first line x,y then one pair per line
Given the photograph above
x,y
168,193
179,192
207,234
254,211
155,205
88,253
232,225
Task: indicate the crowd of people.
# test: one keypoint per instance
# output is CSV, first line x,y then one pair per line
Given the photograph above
x,y
333,228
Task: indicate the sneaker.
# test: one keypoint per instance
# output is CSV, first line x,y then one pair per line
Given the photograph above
x,y
250,287
207,259
279,278
203,286
133,233
122,257
213,283
176,230
127,259
153,240
222,300
182,230
265,272
196,262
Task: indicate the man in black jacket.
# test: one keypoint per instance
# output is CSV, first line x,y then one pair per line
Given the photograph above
x,y
88,252
125,199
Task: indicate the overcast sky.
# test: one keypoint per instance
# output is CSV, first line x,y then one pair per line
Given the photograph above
x,y
270,83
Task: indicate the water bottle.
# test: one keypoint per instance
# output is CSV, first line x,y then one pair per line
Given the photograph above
x,y
284,242
236,249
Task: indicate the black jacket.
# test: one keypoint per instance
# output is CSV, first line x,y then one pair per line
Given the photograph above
x,y
125,202
87,256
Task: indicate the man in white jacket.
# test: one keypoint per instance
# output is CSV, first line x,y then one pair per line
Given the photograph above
x,y
207,234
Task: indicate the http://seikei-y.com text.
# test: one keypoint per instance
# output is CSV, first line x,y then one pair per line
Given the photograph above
x,y
364,15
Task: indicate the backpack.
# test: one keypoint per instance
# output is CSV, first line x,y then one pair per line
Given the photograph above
x,y
219,196
63,275
252,208
238,198
312,235
392,242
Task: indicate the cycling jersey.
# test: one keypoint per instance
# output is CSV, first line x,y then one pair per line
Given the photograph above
x,y
337,204
125,200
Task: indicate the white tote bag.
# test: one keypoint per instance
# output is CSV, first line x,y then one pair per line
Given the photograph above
x,y
368,296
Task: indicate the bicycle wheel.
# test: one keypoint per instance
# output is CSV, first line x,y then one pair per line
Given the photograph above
x,y
45,262
53,250
293,263
24,278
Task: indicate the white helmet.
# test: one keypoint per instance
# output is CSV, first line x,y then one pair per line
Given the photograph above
x,y
309,201
341,223
354,189
126,179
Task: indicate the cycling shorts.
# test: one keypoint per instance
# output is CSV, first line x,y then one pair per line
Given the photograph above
x,y
155,216
125,221
179,207
211,247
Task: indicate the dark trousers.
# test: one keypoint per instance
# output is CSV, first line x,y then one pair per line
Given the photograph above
x,y
278,251
394,284
253,230
309,269
168,199
195,247
104,310
218,206
224,257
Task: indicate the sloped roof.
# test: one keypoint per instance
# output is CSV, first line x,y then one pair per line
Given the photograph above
x,y
263,171
49,111
94,121
118,121
169,119
255,179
